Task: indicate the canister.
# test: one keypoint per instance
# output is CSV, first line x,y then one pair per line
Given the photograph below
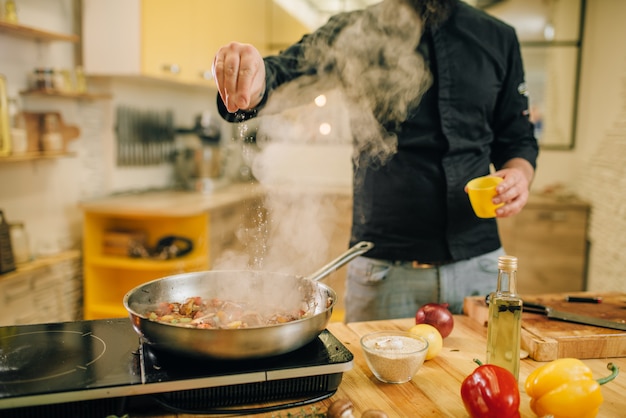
x,y
19,243
7,262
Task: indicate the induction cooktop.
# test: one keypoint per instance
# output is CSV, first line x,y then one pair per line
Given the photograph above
x,y
101,367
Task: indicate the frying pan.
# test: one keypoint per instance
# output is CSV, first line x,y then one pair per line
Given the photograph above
x,y
275,291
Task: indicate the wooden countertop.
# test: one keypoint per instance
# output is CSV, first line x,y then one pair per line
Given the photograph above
x,y
186,203
172,203
435,389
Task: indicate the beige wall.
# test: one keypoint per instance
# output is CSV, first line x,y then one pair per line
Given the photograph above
x,y
594,168
601,93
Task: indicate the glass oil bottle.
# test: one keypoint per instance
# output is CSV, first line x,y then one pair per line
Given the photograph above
x,y
505,318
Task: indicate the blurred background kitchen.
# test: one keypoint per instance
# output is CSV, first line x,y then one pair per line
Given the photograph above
x,y
108,100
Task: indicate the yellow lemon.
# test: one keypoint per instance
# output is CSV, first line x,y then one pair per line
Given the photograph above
x,y
432,335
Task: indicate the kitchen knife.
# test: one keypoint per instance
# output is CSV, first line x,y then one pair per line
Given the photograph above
x,y
572,317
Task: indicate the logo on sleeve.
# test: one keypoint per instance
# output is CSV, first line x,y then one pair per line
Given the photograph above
x,y
522,89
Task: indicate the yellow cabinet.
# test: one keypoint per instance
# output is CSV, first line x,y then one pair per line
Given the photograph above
x,y
174,40
110,273
283,29
177,40
213,223
167,41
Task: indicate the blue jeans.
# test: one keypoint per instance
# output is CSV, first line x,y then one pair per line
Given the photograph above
x,y
382,289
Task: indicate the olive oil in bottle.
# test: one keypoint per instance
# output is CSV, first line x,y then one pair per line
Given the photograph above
x,y
505,318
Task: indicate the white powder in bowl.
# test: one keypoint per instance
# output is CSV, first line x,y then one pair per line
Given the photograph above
x,y
394,357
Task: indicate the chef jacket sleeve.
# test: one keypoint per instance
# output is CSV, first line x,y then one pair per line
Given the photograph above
x,y
514,133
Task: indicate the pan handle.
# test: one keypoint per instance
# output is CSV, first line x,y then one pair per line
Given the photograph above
x,y
354,251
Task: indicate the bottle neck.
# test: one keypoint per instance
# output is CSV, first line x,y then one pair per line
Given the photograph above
x,y
507,281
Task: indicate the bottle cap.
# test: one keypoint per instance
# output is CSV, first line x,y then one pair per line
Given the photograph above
x,y
507,262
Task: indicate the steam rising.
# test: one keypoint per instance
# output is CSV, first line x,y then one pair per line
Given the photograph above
x,y
368,78
371,69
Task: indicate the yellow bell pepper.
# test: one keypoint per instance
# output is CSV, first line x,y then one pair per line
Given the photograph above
x,y
565,388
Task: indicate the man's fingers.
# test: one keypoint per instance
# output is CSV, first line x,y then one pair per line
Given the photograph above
x,y
236,68
230,81
248,70
218,74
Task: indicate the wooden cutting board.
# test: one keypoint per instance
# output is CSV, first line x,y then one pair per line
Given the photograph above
x,y
547,339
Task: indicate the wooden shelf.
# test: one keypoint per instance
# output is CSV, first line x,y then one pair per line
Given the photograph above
x,y
65,94
23,31
40,262
187,263
31,156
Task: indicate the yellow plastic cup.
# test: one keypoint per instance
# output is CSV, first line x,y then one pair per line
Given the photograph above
x,y
481,191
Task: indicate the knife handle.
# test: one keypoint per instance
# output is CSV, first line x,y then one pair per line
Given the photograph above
x,y
529,307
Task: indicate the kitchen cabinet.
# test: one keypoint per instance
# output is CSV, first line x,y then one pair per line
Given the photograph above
x,y
210,221
109,276
172,40
220,22
176,40
165,26
549,237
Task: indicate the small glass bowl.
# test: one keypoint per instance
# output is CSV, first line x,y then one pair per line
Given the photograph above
x,y
394,356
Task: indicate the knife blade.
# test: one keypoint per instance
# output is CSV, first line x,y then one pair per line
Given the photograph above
x,y
571,317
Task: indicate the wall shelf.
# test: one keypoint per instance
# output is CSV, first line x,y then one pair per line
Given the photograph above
x,y
31,156
29,32
64,94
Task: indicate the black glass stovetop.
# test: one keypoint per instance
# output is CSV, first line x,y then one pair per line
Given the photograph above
x,y
73,363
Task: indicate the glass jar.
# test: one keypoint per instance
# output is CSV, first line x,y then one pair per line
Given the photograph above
x,y
19,243
58,80
10,11
51,137
43,79
81,80
17,124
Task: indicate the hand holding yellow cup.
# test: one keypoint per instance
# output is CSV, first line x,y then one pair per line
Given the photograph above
x,y
481,191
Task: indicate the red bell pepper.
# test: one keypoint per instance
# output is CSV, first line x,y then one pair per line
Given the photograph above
x,y
491,392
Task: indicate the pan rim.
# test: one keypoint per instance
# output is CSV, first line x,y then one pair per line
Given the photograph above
x,y
133,313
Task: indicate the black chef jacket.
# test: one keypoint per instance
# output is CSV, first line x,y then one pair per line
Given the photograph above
x,y
475,114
